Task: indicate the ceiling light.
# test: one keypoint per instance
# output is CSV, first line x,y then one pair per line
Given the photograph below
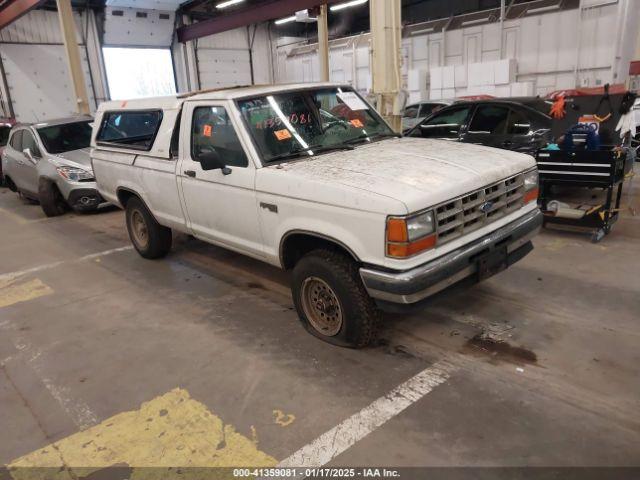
x,y
352,3
473,22
424,30
286,20
228,3
543,9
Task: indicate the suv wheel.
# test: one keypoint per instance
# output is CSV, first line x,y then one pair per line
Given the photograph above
x,y
50,199
149,238
331,301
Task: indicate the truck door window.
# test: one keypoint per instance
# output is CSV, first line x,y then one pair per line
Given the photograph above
x,y
212,130
490,119
130,129
446,124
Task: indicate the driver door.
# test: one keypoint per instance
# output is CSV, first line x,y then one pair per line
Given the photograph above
x,y
220,204
25,173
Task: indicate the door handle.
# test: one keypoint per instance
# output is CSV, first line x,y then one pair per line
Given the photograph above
x,y
190,173
507,143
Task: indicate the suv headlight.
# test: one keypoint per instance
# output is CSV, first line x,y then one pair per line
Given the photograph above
x,y
75,174
530,186
409,235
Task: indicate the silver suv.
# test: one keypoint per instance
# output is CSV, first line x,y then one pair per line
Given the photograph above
x,y
49,162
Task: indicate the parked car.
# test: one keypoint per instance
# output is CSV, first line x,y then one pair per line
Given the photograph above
x,y
364,220
494,123
5,128
416,112
50,163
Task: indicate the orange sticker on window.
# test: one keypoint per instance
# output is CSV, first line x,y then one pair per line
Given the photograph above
x,y
206,130
356,123
283,134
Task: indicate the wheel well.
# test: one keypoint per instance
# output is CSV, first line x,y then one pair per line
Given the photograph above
x,y
125,195
48,181
296,245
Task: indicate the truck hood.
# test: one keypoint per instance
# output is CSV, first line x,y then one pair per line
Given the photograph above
x,y
75,158
417,172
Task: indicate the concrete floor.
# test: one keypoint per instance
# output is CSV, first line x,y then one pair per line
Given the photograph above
x,y
87,337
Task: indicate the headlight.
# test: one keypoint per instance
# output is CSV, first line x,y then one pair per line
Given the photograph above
x,y
420,225
531,180
75,174
530,186
409,235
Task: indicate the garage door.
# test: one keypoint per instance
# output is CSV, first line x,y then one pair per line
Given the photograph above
x,y
39,82
219,67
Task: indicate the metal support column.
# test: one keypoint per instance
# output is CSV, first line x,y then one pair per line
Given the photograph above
x,y
323,43
68,29
386,29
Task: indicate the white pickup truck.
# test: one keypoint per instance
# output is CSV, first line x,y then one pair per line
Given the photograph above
x,y
311,179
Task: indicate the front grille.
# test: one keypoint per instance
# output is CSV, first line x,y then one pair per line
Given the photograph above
x,y
476,209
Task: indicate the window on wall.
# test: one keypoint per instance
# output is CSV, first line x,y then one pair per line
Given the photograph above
x,y
139,72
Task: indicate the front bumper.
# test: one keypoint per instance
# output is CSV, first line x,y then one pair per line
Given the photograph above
x,y
412,286
84,199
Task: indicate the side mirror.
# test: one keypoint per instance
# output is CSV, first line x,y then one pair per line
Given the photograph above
x,y
210,160
30,155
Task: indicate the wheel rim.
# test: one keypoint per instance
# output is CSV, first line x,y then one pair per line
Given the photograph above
x,y
139,229
321,306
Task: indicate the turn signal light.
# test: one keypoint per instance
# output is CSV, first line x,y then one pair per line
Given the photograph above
x,y
407,249
409,235
397,230
531,195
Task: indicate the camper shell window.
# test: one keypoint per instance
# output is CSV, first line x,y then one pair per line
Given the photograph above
x,y
136,129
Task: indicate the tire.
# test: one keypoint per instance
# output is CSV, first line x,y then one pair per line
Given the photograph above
x,y
149,238
50,199
331,300
10,185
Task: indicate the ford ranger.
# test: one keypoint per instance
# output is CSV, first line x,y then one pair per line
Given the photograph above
x,y
311,179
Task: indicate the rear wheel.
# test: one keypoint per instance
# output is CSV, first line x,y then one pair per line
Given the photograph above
x,y
331,300
50,199
149,238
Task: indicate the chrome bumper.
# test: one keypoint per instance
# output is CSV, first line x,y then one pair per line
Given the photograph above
x,y
411,286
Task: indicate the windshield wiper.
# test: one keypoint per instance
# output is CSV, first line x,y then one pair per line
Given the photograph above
x,y
371,137
299,152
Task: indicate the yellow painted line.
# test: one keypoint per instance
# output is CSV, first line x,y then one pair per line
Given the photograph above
x,y
12,293
172,430
282,419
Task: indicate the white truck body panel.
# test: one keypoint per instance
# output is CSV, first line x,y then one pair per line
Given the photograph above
x,y
343,195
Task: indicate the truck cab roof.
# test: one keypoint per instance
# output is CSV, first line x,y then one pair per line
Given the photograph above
x,y
174,102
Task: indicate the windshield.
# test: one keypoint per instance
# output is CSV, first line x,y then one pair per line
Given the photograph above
x,y
66,137
4,135
309,122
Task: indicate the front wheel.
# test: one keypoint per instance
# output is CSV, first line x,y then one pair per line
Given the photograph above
x,y
149,238
51,199
331,300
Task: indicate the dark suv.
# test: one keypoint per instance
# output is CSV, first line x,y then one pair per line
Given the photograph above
x,y
493,123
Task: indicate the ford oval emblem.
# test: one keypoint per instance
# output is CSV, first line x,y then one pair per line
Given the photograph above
x,y
485,207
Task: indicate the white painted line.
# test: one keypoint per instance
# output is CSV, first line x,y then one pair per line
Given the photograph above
x,y
344,435
47,266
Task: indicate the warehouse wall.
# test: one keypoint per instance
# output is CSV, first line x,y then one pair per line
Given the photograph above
x,y
35,74
551,51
